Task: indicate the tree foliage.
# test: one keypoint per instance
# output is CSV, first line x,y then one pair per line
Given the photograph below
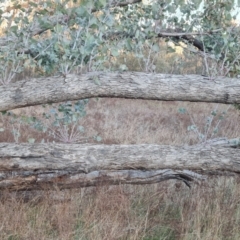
x,y
59,37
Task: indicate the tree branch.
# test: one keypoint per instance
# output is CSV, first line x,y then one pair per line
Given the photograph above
x,y
132,85
180,35
39,166
123,4
73,179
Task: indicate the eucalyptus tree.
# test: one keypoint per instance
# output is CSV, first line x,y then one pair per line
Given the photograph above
x,y
61,37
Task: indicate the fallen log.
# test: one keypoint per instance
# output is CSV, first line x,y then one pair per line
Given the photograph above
x,y
42,166
151,86
47,180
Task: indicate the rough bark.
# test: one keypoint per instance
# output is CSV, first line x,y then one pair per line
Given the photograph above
x,y
165,87
46,180
40,166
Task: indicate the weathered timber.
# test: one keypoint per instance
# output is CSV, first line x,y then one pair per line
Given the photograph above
x,y
45,180
41,166
165,87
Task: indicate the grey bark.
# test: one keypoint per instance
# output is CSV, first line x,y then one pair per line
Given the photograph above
x,y
165,87
40,166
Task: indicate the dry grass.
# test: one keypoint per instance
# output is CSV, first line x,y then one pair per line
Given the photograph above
x,y
138,121
124,121
159,211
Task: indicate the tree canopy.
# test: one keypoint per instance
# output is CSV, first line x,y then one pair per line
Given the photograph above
x,y
61,37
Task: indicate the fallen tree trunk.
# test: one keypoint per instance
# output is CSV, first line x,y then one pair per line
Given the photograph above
x,y
41,166
133,85
47,180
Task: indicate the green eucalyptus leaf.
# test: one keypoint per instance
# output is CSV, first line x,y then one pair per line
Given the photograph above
x,y
31,140
98,138
182,110
3,112
155,48
81,129
114,52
